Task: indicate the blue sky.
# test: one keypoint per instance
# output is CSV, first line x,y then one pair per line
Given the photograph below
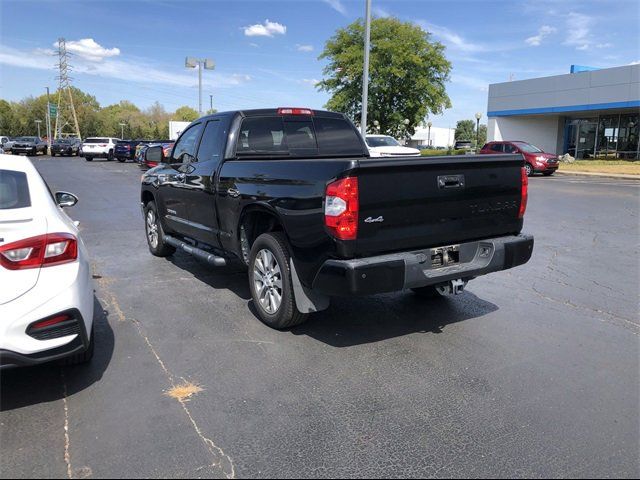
x,y
266,51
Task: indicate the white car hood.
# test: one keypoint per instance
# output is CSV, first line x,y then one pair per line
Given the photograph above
x,y
395,150
18,224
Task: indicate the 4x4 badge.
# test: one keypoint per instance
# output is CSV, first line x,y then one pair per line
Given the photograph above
x,y
380,219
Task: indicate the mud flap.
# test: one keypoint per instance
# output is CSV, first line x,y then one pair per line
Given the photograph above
x,y
307,300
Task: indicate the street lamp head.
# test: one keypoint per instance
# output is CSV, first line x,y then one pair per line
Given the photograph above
x,y
429,124
406,121
478,116
191,62
376,123
208,64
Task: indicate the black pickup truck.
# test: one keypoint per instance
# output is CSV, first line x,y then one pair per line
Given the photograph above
x,y
293,194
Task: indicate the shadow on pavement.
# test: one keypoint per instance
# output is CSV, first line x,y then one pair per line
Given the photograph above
x,y
356,321
21,387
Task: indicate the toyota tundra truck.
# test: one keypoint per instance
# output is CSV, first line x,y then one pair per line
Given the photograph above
x,y
293,195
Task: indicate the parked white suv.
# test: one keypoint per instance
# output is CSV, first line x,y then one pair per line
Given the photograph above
x,y
99,147
386,146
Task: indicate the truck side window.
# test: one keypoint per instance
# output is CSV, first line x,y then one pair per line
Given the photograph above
x,y
508,148
184,150
261,135
210,145
496,147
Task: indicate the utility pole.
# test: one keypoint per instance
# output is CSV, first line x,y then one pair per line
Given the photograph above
x,y
365,73
200,64
48,123
210,103
38,122
122,125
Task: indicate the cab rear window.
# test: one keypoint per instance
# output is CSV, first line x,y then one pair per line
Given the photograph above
x,y
297,136
14,190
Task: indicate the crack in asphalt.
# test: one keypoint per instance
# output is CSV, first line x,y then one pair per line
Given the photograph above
x,y
221,460
65,403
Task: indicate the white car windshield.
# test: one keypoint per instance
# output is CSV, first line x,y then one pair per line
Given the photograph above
x,y
382,142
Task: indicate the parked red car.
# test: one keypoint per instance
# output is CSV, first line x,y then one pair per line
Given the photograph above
x,y
536,161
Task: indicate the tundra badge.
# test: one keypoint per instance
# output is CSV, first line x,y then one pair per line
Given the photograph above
x,y
380,219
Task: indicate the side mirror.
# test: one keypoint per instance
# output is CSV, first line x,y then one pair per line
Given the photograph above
x,y
154,154
66,199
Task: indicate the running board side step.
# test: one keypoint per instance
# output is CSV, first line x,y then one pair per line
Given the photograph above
x,y
210,258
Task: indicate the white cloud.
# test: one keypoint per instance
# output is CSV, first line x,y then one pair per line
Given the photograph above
x,y
381,12
544,31
90,49
304,48
337,5
578,31
266,29
452,39
473,83
636,62
138,71
310,81
254,45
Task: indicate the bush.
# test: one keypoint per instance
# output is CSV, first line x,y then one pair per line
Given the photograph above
x,y
440,153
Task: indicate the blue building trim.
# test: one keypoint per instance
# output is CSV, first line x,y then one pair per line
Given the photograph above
x,y
567,108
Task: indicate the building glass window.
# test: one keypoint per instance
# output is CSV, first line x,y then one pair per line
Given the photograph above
x,y
628,136
607,136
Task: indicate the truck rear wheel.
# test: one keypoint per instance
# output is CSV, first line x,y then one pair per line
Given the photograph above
x,y
270,282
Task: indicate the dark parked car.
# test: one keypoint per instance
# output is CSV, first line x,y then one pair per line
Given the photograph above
x,y
29,145
536,161
126,149
66,147
293,195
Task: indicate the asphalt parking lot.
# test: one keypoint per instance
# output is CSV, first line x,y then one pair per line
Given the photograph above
x,y
530,373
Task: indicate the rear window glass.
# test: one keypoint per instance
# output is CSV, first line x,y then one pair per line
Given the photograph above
x,y
14,190
299,136
96,140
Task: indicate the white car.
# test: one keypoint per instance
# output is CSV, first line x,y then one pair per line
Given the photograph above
x,y
99,147
46,286
386,146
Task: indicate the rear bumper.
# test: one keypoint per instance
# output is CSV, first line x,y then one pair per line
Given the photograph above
x,y
400,271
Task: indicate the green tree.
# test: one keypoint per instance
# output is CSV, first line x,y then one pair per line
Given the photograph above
x,y
185,114
466,130
408,73
8,125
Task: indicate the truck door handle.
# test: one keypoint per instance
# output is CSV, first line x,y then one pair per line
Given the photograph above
x,y
451,181
233,192
181,176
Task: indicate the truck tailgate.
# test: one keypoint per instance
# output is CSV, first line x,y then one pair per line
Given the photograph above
x,y
436,201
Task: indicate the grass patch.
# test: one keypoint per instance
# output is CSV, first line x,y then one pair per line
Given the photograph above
x,y
602,166
439,153
184,391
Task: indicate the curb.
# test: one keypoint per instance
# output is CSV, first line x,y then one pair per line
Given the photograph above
x,y
599,174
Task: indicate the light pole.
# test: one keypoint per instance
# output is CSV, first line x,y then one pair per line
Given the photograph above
x,y
210,103
122,125
429,134
49,132
38,122
478,117
200,64
406,123
365,72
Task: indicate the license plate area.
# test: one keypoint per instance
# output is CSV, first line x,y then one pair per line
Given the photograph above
x,y
445,256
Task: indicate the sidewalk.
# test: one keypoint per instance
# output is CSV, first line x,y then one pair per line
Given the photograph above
x,y
598,174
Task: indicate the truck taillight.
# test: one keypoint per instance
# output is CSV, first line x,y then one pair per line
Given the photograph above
x,y
41,251
295,111
341,208
524,193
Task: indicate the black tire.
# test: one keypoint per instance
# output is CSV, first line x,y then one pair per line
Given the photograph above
x,y
529,169
121,160
89,159
427,292
82,357
160,248
110,156
548,174
286,315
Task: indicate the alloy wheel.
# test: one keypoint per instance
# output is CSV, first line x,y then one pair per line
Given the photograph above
x,y
267,278
152,229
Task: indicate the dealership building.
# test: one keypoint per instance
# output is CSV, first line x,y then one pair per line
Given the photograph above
x,y
588,113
